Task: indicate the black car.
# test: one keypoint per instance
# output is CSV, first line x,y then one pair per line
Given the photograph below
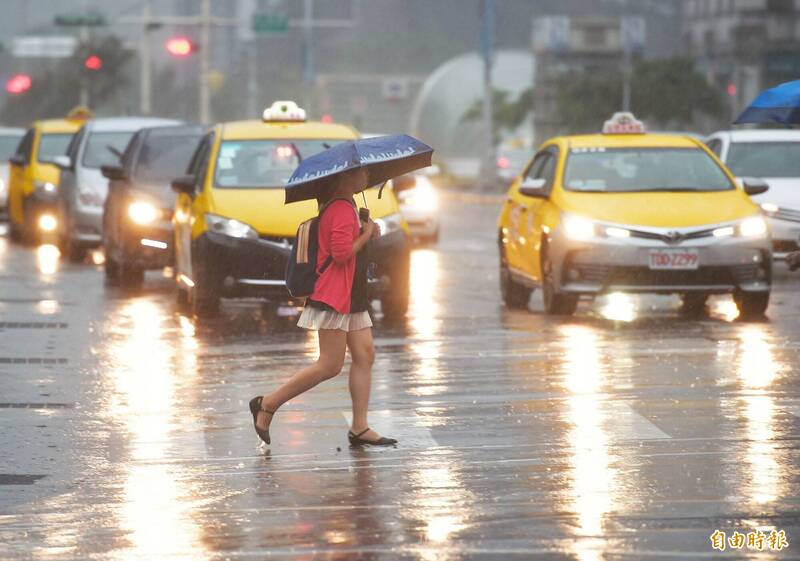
x,y
137,216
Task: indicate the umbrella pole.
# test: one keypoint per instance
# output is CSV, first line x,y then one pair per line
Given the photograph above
x,y
364,197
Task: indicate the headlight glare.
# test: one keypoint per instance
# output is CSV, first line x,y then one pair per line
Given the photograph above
x,y
578,228
769,207
230,227
389,224
142,213
753,227
613,232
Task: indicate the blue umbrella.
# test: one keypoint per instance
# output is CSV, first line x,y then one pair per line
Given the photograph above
x,y
780,104
384,157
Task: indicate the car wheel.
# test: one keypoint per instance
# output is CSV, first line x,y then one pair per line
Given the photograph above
x,y
76,253
181,298
111,269
131,277
394,302
693,303
205,295
751,304
13,231
514,295
555,303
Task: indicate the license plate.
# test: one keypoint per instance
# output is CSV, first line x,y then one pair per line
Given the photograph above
x,y
685,259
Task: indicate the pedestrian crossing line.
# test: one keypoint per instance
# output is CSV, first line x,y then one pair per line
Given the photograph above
x,y
405,429
633,426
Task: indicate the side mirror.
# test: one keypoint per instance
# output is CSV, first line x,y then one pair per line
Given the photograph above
x,y
17,160
754,185
113,172
403,183
63,162
533,187
184,185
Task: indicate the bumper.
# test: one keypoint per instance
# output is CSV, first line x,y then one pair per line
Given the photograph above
x,y
87,226
785,236
607,265
244,268
148,247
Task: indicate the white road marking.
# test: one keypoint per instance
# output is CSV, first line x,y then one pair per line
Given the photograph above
x,y
630,425
407,429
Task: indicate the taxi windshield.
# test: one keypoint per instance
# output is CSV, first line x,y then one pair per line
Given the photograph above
x,y
263,164
628,170
765,159
52,145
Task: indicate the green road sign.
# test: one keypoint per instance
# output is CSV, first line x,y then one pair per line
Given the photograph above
x,y
88,19
270,22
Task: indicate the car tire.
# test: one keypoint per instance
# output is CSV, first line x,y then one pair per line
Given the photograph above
x,y
131,277
555,303
181,298
14,231
515,296
205,295
394,301
111,270
693,303
76,253
751,304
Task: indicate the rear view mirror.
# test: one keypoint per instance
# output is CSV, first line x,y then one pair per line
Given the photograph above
x,y
403,183
17,160
184,185
64,162
533,187
754,185
113,172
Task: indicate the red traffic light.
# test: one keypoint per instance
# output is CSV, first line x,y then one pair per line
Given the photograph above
x,y
93,62
180,46
19,83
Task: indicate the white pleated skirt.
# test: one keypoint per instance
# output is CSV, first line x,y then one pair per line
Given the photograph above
x,y
316,319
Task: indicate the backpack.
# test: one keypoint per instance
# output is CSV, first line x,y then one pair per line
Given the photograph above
x,y
301,270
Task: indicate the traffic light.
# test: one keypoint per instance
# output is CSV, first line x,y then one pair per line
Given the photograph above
x,y
19,83
180,46
93,62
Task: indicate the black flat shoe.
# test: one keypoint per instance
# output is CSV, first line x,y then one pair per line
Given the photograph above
x,y
255,407
356,440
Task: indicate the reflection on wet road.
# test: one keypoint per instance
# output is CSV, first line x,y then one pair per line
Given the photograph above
x,y
628,431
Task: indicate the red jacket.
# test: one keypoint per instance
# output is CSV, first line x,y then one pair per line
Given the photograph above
x,y
338,229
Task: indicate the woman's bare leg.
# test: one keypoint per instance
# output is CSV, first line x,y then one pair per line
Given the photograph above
x,y
332,344
362,353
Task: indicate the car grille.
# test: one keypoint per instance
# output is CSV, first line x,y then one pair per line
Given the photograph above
x,y
672,237
642,276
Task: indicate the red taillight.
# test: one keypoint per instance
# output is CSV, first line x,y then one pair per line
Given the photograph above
x,y
503,162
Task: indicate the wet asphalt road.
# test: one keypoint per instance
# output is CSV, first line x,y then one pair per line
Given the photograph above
x,y
627,432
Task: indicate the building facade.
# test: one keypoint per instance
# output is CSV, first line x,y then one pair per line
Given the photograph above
x,y
743,46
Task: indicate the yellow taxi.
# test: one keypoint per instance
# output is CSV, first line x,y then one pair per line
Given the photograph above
x,y
33,177
233,232
627,211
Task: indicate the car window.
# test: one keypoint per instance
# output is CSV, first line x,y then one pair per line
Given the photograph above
x,y
536,167
100,148
643,169
764,159
262,164
52,145
548,168
72,149
163,157
8,145
26,145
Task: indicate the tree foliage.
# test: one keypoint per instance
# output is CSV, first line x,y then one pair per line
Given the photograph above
x,y
55,91
507,114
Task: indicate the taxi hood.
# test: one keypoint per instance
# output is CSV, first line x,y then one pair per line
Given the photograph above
x,y
661,209
264,209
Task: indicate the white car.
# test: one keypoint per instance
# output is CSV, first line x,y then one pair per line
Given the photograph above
x,y
419,204
773,155
9,140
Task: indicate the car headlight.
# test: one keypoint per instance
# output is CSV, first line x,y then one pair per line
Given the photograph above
x,y
389,224
90,197
142,213
578,227
770,208
753,227
422,196
230,227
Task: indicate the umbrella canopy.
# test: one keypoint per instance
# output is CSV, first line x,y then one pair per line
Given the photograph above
x,y
383,157
780,104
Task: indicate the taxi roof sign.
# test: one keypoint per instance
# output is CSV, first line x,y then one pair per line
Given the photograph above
x,y
80,113
623,123
284,112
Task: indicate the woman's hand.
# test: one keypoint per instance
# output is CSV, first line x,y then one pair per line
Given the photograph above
x,y
369,229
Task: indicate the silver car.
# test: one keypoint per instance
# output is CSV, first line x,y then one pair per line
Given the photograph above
x,y
9,140
83,189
